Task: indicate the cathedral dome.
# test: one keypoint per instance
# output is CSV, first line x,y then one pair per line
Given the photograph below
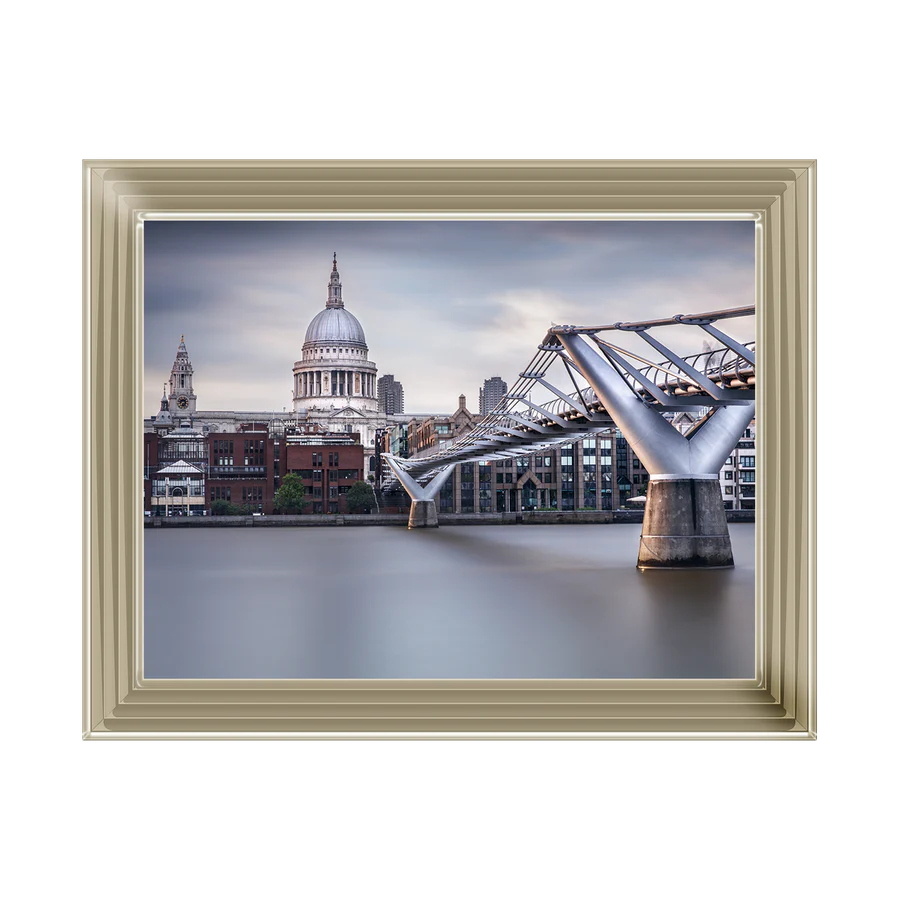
x,y
335,371
334,325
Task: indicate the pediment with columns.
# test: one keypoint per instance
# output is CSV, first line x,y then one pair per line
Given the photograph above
x,y
347,412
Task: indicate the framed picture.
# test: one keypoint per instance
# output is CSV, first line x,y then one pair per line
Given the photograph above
x,y
122,193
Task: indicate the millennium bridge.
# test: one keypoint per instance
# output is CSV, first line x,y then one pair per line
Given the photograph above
x,y
589,379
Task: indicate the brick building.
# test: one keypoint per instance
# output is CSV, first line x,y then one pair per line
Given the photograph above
x,y
245,468
329,466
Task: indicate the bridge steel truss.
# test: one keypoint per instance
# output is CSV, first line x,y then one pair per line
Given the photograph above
x,y
616,387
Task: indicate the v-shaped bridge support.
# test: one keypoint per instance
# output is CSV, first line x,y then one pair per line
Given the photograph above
x,y
423,511
684,517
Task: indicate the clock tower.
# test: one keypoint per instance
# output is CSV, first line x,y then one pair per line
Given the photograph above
x,y
182,399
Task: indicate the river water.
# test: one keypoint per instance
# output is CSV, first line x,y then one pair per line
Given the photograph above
x,y
481,601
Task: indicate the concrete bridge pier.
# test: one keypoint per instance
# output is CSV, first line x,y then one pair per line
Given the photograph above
x,y
684,525
423,514
423,508
684,515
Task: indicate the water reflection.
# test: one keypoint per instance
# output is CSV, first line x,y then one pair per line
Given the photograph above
x,y
558,601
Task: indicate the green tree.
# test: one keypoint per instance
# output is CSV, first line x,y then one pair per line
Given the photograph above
x,y
291,496
361,497
224,508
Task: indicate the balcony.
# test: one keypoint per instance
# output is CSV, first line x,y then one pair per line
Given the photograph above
x,y
237,471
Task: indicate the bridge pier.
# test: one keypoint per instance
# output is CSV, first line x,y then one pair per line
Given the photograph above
x,y
684,525
423,508
684,515
423,514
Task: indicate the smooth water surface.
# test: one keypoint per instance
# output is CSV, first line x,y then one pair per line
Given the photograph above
x,y
480,601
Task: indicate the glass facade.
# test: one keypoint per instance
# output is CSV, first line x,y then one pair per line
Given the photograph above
x,y
567,477
467,487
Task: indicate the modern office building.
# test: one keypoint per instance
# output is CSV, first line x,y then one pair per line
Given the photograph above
x,y
594,473
491,394
738,475
390,395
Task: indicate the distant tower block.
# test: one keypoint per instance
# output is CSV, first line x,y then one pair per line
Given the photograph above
x,y
390,395
491,394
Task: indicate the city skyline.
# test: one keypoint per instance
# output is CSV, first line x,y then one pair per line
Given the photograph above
x,y
444,305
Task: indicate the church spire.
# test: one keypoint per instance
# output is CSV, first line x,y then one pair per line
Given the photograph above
x,y
181,383
163,419
334,287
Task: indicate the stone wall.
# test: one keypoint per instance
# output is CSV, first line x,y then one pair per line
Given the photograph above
x,y
545,517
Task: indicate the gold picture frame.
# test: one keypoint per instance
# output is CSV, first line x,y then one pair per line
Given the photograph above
x,y
779,703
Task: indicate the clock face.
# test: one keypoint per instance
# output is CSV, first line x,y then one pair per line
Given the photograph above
x,y
182,402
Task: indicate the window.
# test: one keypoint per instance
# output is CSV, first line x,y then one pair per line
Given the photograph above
x,y
748,462
446,494
729,490
729,476
748,477
251,495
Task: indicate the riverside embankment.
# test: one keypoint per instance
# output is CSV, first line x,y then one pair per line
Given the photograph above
x,y
537,517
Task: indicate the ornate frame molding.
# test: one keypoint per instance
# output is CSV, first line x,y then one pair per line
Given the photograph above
x,y
779,703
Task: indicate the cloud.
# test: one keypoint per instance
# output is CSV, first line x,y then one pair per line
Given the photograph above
x,y
444,305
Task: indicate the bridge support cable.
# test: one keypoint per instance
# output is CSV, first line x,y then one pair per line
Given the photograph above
x,y
684,516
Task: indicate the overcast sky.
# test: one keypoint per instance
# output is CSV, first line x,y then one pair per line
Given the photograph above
x,y
444,305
